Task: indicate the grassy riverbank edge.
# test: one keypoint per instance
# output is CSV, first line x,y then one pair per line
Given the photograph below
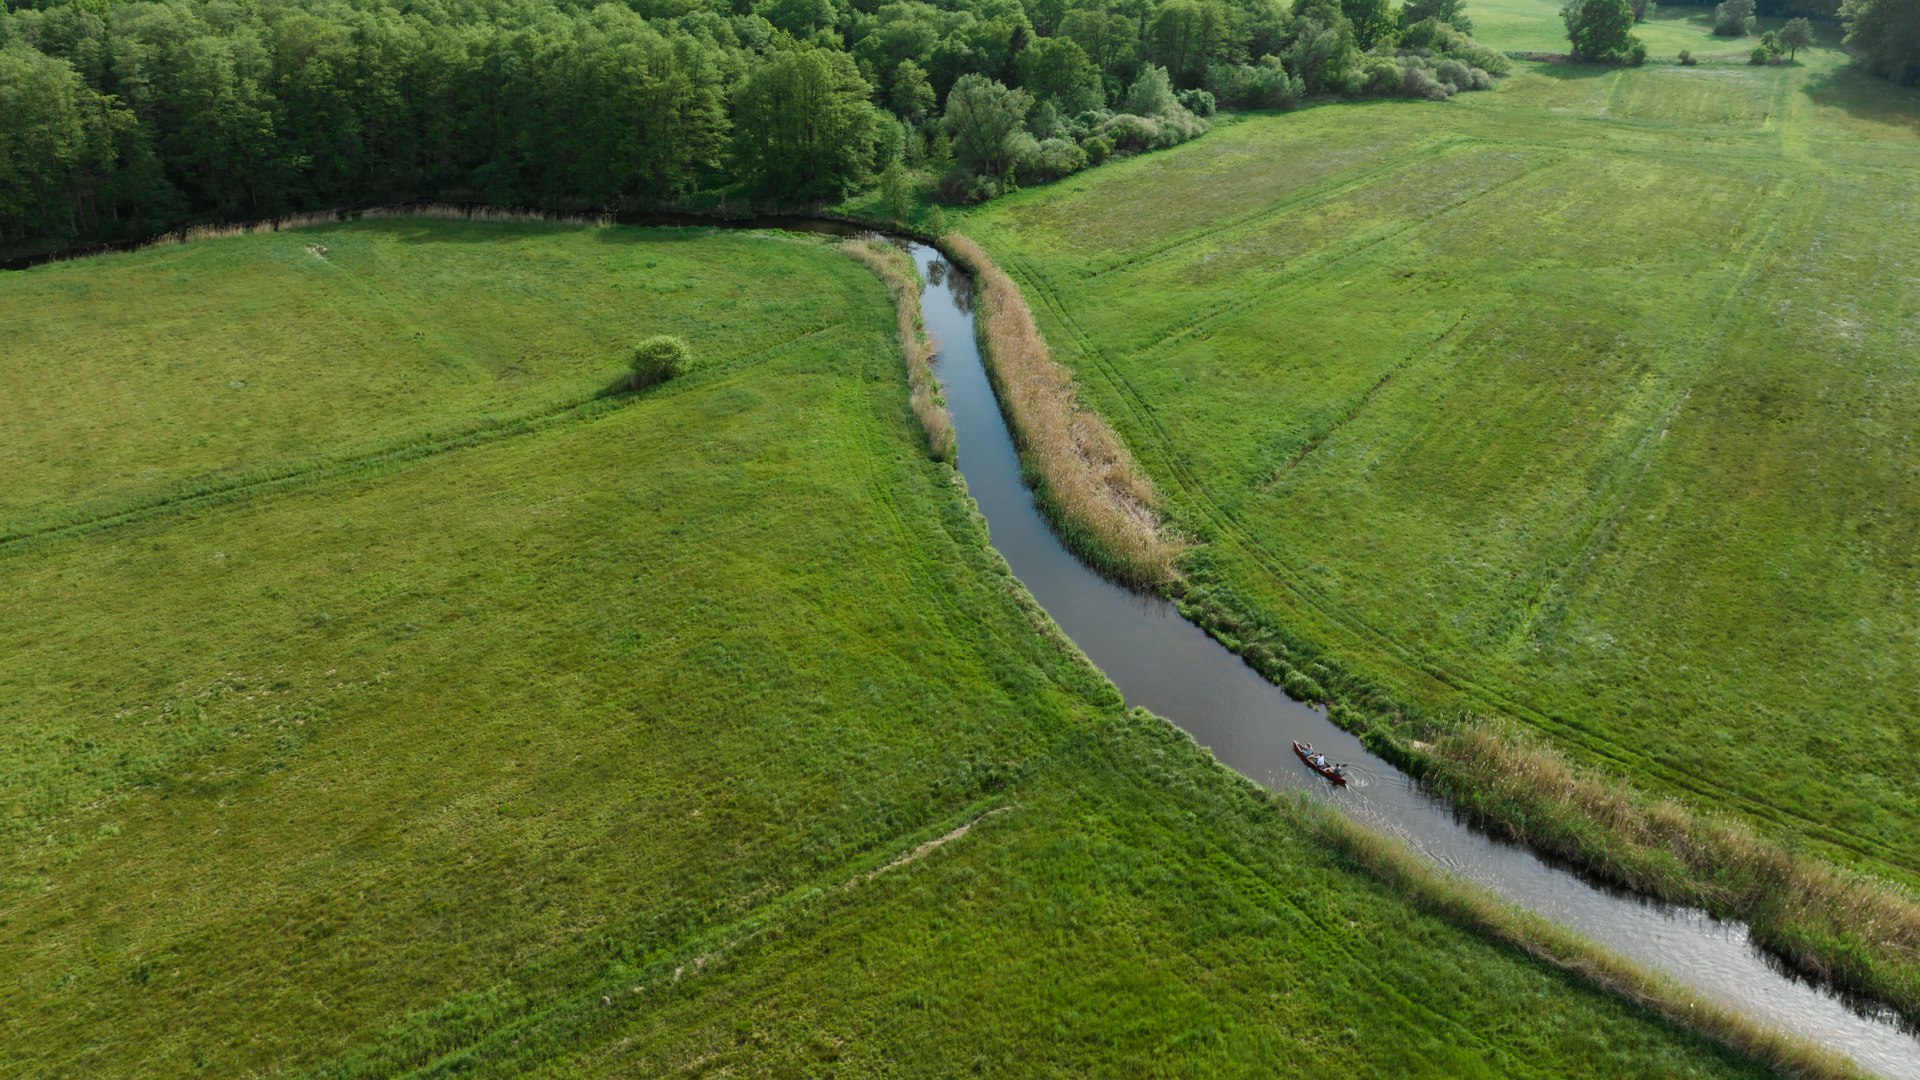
x,y
1841,927
1467,905
894,268
1099,500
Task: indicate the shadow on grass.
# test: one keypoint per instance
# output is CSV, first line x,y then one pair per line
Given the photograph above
x,y
1700,17
1573,70
1866,97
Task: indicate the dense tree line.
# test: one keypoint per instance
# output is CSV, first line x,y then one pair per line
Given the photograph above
x,y
127,118
1886,33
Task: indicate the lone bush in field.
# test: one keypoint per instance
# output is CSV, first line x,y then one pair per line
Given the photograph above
x,y
658,359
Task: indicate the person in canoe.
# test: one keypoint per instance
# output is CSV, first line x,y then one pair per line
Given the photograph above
x,y
1319,762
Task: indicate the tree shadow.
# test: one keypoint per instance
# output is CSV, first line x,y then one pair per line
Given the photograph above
x,y
1576,70
1701,17
1866,97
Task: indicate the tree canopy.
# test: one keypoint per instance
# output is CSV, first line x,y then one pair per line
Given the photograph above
x,y
124,118
1599,29
1887,34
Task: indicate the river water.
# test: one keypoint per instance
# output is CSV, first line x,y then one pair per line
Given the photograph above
x,y
1166,664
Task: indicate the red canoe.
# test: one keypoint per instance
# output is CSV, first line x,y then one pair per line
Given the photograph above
x,y
1332,772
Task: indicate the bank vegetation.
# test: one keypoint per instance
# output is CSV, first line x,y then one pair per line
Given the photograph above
x,y
894,267
1097,496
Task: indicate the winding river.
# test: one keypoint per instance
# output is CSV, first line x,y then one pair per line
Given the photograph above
x,y
1166,664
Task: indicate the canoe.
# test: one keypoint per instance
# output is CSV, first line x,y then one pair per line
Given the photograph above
x,y
1330,771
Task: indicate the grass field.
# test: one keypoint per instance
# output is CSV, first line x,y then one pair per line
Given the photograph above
x,y
1588,402
684,731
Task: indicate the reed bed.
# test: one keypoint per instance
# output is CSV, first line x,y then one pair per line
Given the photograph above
x,y
929,407
1100,500
1412,877
1855,931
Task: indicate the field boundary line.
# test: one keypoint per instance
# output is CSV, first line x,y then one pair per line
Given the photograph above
x,y
1358,405
621,987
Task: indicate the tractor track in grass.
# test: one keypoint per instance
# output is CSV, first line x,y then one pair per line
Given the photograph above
x,y
1585,537
1311,197
1278,569
1316,266
305,474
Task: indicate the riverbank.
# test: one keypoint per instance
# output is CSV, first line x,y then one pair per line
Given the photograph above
x,y
613,737
1084,477
1432,481
1844,929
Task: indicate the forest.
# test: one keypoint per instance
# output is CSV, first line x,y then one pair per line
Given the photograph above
x,y
126,119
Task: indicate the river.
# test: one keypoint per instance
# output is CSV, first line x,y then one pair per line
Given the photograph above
x,y
1164,663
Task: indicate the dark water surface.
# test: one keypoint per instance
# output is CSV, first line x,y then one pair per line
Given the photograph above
x,y
1166,664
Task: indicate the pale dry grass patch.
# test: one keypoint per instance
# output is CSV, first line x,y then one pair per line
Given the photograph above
x,y
1100,498
896,269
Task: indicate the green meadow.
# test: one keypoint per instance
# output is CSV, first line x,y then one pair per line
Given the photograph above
x,y
416,705
1588,403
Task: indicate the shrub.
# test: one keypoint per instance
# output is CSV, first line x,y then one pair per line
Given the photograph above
x,y
1637,52
1197,102
1266,85
1099,148
658,359
1420,83
1433,34
1051,160
1454,75
1686,58
1760,56
1152,93
966,188
1383,77
1491,61
1130,134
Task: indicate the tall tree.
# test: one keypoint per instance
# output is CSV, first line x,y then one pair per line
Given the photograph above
x,y
982,118
804,128
1057,70
1599,29
1887,34
1374,21
1450,12
1797,34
